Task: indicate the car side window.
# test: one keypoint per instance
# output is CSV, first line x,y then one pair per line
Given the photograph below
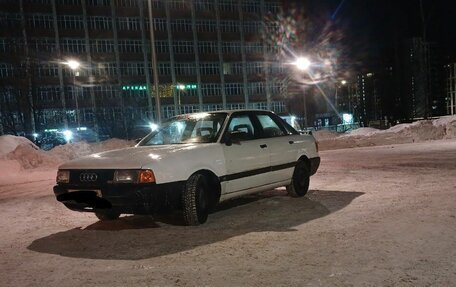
x,y
270,127
241,128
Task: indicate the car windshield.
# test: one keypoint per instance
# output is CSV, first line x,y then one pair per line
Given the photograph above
x,y
193,128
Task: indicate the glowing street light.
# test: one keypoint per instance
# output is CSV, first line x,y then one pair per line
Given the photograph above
x,y
68,135
73,64
343,82
302,63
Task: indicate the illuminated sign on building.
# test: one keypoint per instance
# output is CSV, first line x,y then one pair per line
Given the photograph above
x,y
134,88
187,86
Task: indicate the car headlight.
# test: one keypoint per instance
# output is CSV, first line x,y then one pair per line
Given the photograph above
x,y
134,176
63,176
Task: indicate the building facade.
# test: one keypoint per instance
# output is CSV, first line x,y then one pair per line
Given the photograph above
x,y
450,89
422,79
211,55
368,100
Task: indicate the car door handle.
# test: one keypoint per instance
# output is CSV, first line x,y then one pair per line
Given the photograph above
x,y
264,146
291,142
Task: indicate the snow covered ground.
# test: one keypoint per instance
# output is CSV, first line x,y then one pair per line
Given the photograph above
x,y
375,216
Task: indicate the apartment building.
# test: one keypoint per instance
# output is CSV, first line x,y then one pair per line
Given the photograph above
x,y
211,55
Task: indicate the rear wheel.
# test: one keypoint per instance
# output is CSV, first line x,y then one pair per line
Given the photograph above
x,y
195,201
300,181
107,214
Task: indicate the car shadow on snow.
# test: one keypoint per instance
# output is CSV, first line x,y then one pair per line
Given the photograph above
x,y
141,237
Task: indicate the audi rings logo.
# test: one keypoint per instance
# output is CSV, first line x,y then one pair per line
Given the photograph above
x,y
88,177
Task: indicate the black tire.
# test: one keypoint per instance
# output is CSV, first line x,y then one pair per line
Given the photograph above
x,y
195,202
300,181
107,214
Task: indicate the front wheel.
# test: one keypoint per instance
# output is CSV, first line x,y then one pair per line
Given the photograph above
x,y
195,202
107,214
300,181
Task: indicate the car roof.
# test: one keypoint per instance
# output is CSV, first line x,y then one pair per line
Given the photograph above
x,y
229,112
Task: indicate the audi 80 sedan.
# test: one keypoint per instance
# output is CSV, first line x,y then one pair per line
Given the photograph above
x,y
191,163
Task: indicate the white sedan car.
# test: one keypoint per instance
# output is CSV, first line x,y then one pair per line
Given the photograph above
x,y
191,163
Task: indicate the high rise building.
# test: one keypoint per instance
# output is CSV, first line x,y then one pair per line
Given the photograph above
x,y
422,81
450,98
368,101
211,54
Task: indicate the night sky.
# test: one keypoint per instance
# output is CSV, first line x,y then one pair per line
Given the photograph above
x,y
370,28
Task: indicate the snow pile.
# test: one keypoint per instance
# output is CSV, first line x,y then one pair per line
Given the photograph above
x,y
9,167
425,130
362,132
449,122
325,135
29,157
111,144
419,131
20,153
71,151
74,150
9,143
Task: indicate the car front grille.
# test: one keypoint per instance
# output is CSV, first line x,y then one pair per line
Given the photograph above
x,y
91,176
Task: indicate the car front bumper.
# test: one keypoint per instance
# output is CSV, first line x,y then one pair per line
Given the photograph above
x,y
124,198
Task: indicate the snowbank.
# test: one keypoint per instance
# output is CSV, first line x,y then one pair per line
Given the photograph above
x,y
74,150
71,151
325,135
29,157
9,143
425,130
449,122
111,144
362,132
18,153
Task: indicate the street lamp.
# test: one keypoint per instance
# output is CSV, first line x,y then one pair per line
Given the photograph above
x,y
302,63
74,66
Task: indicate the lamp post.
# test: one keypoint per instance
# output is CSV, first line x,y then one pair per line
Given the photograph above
x,y
74,66
303,64
181,89
154,62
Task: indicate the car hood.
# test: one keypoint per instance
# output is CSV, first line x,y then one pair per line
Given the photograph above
x,y
128,158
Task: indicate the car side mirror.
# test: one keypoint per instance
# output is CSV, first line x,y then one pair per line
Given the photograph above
x,y
233,137
227,141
